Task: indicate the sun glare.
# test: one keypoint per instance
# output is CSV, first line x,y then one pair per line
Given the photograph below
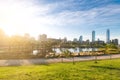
x,y
8,31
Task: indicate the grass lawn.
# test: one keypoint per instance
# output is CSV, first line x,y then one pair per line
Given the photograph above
x,y
103,70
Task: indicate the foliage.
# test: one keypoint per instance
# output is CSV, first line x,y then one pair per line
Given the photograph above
x,y
111,48
65,52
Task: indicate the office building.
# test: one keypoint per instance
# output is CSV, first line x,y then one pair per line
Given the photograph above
x,y
100,42
93,36
108,36
64,40
75,40
115,41
81,39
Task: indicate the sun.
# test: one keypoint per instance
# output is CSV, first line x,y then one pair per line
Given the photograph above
x,y
8,31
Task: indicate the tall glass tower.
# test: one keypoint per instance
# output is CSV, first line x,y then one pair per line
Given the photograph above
x,y
81,39
108,36
93,36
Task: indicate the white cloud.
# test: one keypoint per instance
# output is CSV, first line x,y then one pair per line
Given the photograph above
x,y
20,16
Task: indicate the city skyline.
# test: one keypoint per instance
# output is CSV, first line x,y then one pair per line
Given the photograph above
x,y
63,18
79,39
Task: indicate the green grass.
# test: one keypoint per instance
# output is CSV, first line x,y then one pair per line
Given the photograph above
x,y
103,70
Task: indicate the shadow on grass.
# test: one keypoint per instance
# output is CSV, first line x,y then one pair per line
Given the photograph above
x,y
46,64
106,67
86,70
25,62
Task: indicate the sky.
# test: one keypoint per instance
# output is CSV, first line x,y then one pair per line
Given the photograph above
x,y
61,18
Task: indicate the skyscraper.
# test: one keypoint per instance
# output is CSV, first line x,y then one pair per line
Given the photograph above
x,y
93,36
108,36
81,39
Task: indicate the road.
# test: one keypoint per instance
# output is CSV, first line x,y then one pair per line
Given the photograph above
x,y
53,60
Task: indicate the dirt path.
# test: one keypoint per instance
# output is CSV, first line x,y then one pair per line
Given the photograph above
x,y
54,60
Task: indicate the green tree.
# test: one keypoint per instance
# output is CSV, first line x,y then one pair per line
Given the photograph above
x,y
75,49
110,49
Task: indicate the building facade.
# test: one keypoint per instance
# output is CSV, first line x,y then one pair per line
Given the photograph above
x,y
108,36
81,39
115,41
93,36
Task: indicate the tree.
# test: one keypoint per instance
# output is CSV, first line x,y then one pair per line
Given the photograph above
x,y
111,48
45,47
75,49
2,38
62,53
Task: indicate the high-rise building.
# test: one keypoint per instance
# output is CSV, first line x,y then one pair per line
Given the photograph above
x,y
108,36
65,39
115,41
75,40
100,41
81,39
93,36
